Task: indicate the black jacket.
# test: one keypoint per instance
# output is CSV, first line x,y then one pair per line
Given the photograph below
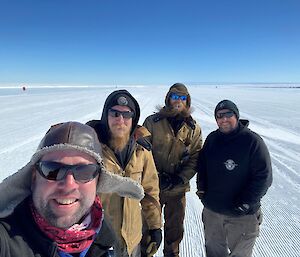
x,y
20,236
234,169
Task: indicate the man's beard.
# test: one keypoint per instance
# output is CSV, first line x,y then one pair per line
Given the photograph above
x,y
168,111
44,209
118,143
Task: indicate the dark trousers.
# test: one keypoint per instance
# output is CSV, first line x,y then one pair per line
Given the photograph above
x,y
122,251
230,236
174,211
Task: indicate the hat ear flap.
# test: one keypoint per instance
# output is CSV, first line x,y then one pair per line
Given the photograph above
x,y
14,189
123,186
167,99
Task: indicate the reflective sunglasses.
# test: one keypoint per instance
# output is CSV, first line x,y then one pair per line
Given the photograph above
x,y
177,97
224,114
115,113
56,171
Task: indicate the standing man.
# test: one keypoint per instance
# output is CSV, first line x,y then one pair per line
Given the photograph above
x,y
128,154
234,174
176,141
49,208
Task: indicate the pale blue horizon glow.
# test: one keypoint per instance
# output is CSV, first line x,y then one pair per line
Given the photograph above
x,y
149,42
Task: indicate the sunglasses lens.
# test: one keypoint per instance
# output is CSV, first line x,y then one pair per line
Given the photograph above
x,y
57,171
224,114
127,115
113,113
116,113
85,173
174,97
177,97
49,170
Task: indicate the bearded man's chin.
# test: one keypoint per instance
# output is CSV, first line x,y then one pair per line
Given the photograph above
x,y
118,143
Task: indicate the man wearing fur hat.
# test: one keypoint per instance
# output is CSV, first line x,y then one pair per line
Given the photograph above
x,y
234,173
50,207
128,154
176,141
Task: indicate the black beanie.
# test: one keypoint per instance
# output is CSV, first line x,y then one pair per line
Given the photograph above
x,y
227,104
121,98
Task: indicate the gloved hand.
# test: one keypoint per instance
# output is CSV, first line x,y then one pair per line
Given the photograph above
x,y
242,209
155,237
200,194
164,182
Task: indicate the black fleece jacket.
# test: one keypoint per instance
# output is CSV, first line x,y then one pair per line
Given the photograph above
x,y
20,236
234,169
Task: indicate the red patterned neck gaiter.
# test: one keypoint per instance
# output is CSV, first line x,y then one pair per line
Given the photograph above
x,y
77,238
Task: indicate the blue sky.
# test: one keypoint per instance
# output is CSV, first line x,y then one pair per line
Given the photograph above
x,y
149,41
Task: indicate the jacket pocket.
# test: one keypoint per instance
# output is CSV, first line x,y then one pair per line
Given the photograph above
x,y
137,176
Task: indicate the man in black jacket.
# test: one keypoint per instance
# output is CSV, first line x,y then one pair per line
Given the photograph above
x,y
234,173
50,208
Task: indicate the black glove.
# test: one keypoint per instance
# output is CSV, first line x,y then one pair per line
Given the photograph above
x,y
200,194
242,209
176,180
155,237
164,182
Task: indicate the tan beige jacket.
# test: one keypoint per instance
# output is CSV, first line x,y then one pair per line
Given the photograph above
x,y
175,154
126,214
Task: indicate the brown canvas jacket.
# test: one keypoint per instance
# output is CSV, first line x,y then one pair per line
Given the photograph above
x,y
175,154
126,214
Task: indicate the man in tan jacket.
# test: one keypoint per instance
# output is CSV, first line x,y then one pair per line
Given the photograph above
x,y
127,153
176,141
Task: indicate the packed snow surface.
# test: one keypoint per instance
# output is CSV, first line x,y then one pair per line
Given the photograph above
x,y
273,113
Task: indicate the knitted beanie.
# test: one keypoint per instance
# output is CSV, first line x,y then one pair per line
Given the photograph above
x,y
227,104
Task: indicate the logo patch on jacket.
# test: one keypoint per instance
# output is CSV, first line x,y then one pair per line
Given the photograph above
x,y
230,164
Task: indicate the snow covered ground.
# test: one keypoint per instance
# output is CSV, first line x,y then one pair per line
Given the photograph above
x,y
273,113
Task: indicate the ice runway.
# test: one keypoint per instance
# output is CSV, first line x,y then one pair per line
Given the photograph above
x,y
273,113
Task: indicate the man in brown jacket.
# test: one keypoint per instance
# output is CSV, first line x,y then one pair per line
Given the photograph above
x,y
176,141
127,153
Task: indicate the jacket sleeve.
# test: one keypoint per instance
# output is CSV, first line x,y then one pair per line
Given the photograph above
x,y
150,205
148,124
188,169
2,245
261,174
201,170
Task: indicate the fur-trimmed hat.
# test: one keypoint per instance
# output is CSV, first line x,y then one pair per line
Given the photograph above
x,y
180,89
69,135
227,104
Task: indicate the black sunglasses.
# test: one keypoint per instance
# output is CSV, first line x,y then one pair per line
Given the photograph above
x,y
115,113
224,114
56,171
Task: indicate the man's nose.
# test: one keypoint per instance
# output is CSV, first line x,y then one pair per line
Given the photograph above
x,y
69,180
120,118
